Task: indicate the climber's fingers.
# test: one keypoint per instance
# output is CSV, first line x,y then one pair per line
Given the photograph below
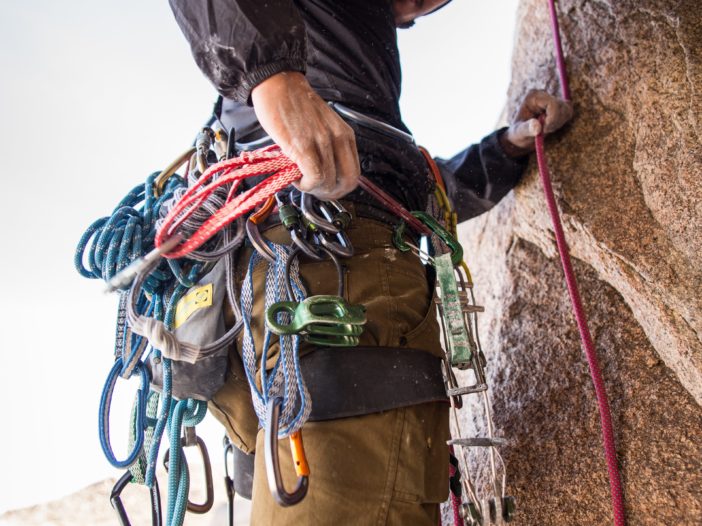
x,y
538,102
556,113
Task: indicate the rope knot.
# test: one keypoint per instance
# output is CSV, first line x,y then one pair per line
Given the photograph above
x,y
165,341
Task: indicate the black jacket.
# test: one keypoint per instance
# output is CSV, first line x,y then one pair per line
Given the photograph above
x,y
348,51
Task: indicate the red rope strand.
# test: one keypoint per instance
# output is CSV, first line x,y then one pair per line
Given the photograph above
x,y
269,161
580,316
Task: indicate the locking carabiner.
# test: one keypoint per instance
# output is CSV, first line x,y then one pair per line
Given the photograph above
x,y
342,246
275,479
203,141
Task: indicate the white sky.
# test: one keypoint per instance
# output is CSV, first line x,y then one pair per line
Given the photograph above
x,y
94,96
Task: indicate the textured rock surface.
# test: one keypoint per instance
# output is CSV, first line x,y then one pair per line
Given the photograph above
x,y
627,177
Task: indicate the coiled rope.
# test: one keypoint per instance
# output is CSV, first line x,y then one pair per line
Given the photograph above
x,y
148,309
617,494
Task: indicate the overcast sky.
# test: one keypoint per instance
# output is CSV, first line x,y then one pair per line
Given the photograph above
x,y
95,96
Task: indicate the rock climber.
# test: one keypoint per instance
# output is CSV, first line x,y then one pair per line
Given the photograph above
x,y
278,64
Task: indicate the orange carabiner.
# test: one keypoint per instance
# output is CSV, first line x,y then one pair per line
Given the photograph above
x,y
270,450
260,215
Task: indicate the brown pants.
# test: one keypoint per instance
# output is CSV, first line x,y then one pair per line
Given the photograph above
x,y
387,468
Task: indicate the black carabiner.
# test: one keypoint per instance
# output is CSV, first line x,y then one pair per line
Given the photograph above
x,y
295,253
299,238
116,501
193,440
258,242
229,477
275,479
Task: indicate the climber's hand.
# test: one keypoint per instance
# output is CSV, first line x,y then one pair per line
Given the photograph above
x,y
310,133
519,138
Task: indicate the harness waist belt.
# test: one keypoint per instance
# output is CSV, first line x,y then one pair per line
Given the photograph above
x,y
355,381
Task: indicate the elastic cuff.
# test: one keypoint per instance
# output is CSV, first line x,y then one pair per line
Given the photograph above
x,y
493,141
255,77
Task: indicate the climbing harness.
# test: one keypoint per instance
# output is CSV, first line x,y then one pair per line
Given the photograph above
x,y
190,229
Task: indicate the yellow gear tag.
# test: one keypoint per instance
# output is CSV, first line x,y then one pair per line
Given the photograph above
x,y
194,300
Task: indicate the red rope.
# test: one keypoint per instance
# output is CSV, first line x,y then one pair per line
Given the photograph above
x,y
581,318
269,161
455,499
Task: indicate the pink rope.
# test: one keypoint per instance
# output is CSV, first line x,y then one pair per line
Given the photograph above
x,y
560,60
455,499
600,391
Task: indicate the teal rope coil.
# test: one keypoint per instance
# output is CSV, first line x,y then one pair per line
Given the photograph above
x,y
109,245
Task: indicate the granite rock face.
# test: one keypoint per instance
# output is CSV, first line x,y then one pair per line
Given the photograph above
x,y
628,177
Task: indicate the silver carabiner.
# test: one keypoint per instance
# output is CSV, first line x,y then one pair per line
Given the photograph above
x,y
307,207
258,242
342,246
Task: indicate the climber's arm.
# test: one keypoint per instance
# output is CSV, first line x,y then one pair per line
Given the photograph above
x,y
238,44
482,174
255,52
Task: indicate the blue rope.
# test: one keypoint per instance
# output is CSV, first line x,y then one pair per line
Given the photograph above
x,y
109,245
187,413
140,420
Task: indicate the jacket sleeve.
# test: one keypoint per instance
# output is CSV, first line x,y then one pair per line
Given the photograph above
x,y
480,176
239,43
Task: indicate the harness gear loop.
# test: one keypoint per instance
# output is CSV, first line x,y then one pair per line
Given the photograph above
x,y
275,479
116,501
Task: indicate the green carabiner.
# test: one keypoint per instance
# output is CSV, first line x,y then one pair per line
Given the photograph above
x,y
449,240
323,319
432,224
